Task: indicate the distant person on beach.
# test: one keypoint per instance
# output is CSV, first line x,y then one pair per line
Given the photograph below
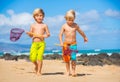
x,y
69,31
38,31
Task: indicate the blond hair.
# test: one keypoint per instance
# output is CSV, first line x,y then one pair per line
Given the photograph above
x,y
70,15
37,11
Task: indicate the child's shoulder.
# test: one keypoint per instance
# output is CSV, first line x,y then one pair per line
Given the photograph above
x,y
75,24
64,25
33,24
44,25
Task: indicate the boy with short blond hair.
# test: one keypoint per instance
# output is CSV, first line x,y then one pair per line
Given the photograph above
x,y
38,31
69,30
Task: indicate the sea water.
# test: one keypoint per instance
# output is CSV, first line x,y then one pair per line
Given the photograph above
x,y
80,52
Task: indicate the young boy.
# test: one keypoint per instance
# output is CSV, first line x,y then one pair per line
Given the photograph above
x,y
69,30
38,31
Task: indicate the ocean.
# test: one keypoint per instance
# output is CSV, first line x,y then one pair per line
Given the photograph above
x,y
55,51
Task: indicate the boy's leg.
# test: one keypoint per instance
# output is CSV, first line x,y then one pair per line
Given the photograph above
x,y
33,55
73,64
39,67
73,59
68,68
40,57
66,58
36,66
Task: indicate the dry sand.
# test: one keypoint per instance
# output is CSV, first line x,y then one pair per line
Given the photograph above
x,y
53,71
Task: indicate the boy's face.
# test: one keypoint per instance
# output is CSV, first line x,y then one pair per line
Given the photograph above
x,y
70,21
39,17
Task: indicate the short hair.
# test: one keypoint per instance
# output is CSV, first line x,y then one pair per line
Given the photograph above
x,y
37,11
70,14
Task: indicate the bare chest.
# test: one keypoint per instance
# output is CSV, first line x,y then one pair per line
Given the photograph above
x,y
70,30
38,29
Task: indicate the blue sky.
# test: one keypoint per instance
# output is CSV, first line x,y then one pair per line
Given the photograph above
x,y
99,19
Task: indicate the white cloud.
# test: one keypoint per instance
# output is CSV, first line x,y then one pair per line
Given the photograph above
x,y
112,13
89,16
10,12
3,20
15,19
54,21
85,27
22,19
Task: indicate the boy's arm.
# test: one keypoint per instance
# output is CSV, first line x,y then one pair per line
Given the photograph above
x,y
47,34
82,33
30,33
60,36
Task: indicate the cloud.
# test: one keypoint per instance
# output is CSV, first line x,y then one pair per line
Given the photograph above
x,y
88,17
54,21
10,12
112,13
85,27
15,19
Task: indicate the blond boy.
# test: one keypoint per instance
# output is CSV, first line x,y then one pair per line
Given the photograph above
x,y
38,31
69,30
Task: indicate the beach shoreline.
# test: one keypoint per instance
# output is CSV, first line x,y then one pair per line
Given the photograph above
x,y
100,59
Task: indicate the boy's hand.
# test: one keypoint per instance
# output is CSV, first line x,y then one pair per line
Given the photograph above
x,y
61,44
85,39
30,34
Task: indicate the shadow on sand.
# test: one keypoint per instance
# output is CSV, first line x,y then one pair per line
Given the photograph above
x,y
56,73
83,74
62,73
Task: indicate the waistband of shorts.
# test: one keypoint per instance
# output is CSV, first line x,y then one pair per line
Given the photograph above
x,y
39,42
70,43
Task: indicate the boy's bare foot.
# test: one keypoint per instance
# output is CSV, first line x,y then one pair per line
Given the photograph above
x,y
67,74
38,74
74,75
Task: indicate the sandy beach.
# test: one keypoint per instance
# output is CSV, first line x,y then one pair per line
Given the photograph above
x,y
53,71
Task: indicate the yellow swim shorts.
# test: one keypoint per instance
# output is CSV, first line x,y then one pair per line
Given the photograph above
x,y
37,51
